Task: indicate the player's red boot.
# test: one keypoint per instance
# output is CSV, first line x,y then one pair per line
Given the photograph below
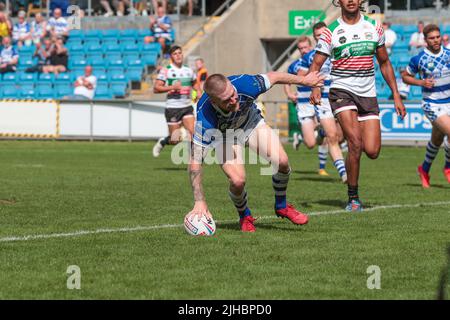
x,y
447,174
424,177
247,224
292,214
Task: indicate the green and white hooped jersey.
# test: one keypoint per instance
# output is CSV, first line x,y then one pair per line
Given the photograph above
x,y
352,49
171,74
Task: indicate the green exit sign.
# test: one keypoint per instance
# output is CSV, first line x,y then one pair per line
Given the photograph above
x,y
301,22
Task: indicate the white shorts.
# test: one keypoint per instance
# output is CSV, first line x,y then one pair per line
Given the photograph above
x,y
305,113
324,110
435,110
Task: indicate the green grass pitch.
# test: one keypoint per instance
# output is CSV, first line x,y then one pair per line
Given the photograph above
x,y
52,188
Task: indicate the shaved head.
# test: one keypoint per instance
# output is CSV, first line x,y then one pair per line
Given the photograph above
x,y
222,93
215,85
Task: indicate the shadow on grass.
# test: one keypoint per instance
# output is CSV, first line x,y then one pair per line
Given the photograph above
x,y
7,201
306,172
260,224
171,169
418,185
318,179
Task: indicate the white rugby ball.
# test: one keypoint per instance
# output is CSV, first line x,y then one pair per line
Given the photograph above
x,y
203,227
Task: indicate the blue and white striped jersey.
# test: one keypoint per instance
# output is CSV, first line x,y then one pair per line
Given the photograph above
x,y
211,118
303,93
437,66
306,63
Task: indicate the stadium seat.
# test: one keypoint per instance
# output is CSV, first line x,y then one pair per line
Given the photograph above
x,y
119,90
142,33
65,77
91,41
397,28
79,61
150,58
28,77
26,49
93,34
28,91
106,42
130,47
101,75
134,74
110,34
11,92
94,47
112,48
152,47
133,60
46,77
76,48
97,62
128,33
76,34
115,60
415,93
44,91
118,77
26,61
63,90
77,72
10,77
102,92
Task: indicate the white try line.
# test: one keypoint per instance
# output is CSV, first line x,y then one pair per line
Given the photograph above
x,y
171,226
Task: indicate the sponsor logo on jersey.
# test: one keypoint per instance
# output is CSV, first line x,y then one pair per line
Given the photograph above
x,y
342,40
368,35
355,37
340,31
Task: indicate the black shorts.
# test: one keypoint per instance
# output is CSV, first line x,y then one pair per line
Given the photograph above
x,y
342,100
176,115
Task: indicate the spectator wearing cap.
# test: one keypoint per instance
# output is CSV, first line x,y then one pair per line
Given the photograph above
x,y
5,26
9,57
446,41
22,31
57,25
390,35
417,41
38,28
161,26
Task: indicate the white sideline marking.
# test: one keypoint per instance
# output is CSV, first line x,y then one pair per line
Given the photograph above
x,y
170,226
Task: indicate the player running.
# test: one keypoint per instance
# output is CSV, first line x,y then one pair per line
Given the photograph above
x,y
352,41
227,119
433,67
307,113
177,80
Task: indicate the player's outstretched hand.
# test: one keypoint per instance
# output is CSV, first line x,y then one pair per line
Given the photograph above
x,y
200,208
400,107
313,79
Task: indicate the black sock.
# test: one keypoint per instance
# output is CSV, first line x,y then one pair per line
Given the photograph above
x,y
165,141
353,193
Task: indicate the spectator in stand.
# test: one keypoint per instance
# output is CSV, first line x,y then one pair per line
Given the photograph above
x,y
161,27
85,86
22,31
5,26
57,25
158,3
417,41
38,28
9,57
58,59
119,5
43,52
202,74
390,35
446,41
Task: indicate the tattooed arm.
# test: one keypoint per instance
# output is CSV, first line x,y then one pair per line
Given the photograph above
x,y
195,176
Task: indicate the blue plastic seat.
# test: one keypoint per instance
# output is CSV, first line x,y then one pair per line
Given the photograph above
x,y
63,90
102,92
134,74
118,77
119,89
150,47
44,91
80,61
91,41
28,77
101,75
130,47
28,91
397,28
10,77
97,62
65,77
26,49
129,33
109,41
11,92
115,61
112,48
77,72
415,93
76,48
142,33
76,34
150,58
110,33
94,47
92,34
46,77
